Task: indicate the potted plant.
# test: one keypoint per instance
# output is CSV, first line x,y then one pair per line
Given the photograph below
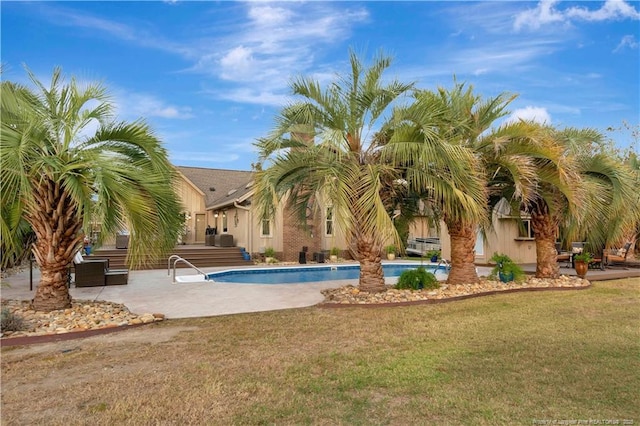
x,y
581,262
506,269
433,255
269,255
391,251
333,254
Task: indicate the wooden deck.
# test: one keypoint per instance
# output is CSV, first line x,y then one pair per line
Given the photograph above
x,y
198,255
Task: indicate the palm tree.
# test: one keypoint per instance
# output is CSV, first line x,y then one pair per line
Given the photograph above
x,y
586,194
610,204
504,168
58,176
320,149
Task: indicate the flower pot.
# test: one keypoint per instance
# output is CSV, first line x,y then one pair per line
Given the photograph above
x,y
434,259
581,268
505,277
333,257
391,256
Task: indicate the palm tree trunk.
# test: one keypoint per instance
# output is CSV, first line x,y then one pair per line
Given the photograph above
x,y
52,292
544,232
463,242
369,256
54,221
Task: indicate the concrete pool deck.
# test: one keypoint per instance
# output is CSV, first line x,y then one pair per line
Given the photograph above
x,y
152,291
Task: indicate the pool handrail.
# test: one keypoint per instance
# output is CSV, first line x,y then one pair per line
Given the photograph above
x,y
177,259
447,265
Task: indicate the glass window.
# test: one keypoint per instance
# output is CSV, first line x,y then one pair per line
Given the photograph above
x,y
224,221
525,231
266,228
329,221
479,248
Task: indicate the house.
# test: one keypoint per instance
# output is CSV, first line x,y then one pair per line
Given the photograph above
x,y
508,235
221,200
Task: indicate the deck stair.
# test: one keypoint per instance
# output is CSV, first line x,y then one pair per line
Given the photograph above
x,y
199,256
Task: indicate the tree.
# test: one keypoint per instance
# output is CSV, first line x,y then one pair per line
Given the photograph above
x,y
505,168
58,175
585,195
610,204
320,149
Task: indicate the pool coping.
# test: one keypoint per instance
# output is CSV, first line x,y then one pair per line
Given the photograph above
x,y
276,268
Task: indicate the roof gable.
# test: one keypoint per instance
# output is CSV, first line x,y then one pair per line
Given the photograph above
x,y
218,185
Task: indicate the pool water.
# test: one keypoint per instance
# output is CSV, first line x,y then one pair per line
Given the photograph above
x,y
305,274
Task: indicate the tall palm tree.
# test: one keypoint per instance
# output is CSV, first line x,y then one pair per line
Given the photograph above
x,y
586,194
58,175
610,202
554,190
504,164
321,149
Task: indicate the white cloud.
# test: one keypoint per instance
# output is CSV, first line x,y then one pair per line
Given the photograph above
x,y
628,41
135,105
264,15
546,13
611,10
277,42
237,64
530,113
251,96
543,14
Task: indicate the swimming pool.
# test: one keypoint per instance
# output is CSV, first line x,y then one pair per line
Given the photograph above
x,y
314,273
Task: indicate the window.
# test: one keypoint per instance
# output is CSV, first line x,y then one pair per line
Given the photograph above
x,y
329,222
525,230
224,221
479,248
266,228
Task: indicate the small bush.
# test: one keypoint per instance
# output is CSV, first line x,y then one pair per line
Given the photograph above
x,y
10,321
506,267
417,279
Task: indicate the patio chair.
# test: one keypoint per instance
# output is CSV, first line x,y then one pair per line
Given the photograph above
x,y
95,273
619,256
562,256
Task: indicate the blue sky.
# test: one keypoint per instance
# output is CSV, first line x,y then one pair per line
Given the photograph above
x,y
210,77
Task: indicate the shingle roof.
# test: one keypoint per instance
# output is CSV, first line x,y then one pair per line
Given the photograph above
x,y
229,184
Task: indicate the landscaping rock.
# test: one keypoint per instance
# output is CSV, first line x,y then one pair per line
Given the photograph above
x,y
351,295
83,315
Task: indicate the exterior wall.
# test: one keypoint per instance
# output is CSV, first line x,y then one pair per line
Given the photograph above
x,y
193,203
420,228
275,240
295,237
288,237
238,224
504,238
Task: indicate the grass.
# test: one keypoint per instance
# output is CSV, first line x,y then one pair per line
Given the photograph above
x,y
506,359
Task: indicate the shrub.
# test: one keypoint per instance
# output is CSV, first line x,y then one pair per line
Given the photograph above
x,y
391,249
585,257
417,279
334,251
433,253
10,321
506,267
269,252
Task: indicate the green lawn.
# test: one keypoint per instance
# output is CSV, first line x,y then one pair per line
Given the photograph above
x,y
505,359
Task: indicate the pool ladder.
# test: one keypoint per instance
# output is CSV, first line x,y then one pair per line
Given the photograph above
x,y
177,259
447,265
